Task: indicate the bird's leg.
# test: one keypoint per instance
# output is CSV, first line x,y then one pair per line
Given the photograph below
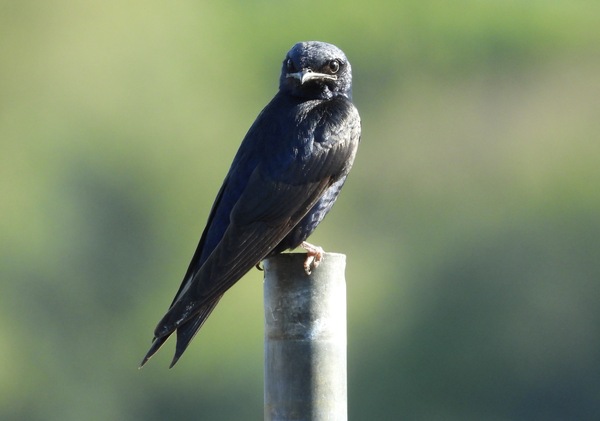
x,y
314,255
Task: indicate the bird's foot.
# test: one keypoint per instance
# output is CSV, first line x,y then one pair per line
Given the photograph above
x,y
314,255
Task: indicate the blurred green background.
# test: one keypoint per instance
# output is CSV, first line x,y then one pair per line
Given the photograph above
x,y
471,220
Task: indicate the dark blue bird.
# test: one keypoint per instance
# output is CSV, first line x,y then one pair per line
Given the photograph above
x,y
283,180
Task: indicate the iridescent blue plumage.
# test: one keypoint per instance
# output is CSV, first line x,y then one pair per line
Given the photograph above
x,y
283,180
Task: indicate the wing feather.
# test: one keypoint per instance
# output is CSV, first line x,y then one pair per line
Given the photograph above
x,y
272,184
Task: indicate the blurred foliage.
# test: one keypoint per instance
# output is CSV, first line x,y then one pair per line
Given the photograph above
x,y
471,220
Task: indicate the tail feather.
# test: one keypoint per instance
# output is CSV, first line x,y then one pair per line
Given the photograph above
x,y
156,344
185,333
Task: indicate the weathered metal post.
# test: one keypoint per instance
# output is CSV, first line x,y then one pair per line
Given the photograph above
x,y
305,339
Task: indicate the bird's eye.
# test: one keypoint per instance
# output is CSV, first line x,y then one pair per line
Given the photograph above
x,y
334,66
289,65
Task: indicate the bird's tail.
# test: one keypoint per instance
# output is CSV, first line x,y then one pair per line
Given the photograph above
x,y
185,333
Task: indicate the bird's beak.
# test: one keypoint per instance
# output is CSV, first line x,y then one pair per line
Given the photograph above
x,y
307,74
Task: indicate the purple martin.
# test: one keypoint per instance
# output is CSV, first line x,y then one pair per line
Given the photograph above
x,y
284,179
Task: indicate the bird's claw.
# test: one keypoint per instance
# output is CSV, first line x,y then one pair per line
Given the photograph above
x,y
314,256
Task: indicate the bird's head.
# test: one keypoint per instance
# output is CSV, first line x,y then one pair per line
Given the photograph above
x,y
316,70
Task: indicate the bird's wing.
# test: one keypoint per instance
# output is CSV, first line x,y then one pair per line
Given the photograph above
x,y
264,214
259,203
245,243
264,219
216,224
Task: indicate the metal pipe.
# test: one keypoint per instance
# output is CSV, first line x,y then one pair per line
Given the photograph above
x,y
305,339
